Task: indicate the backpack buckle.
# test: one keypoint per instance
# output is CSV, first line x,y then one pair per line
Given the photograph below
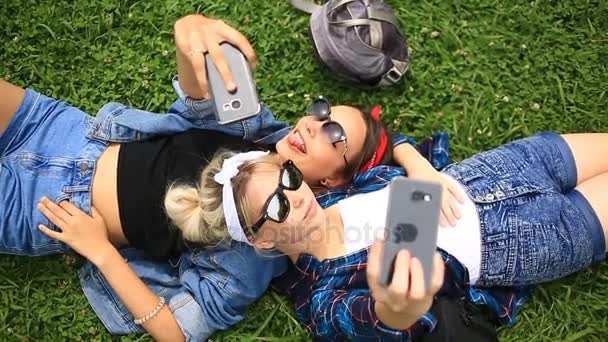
x,y
393,75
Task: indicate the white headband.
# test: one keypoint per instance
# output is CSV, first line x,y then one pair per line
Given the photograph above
x,y
230,168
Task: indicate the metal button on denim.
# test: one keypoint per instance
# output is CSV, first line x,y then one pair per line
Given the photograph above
x,y
499,194
479,198
489,197
83,169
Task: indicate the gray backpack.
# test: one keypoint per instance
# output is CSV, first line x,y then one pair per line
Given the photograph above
x,y
358,40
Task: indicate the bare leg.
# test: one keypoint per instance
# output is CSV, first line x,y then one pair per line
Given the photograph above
x,y
10,99
595,190
587,149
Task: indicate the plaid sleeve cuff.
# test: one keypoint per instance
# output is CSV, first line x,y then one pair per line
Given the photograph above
x,y
399,139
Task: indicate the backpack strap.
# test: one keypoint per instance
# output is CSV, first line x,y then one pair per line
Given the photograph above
x,y
305,5
394,74
339,3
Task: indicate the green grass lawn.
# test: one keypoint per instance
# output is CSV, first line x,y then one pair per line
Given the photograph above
x,y
486,71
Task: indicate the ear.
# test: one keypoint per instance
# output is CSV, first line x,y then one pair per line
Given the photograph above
x,y
333,182
263,244
263,241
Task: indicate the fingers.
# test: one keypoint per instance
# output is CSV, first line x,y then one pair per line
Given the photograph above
x,y
54,213
455,199
446,212
455,208
457,193
373,264
418,290
442,220
401,276
71,209
196,35
438,274
417,286
200,73
450,210
240,41
50,233
408,291
196,57
219,60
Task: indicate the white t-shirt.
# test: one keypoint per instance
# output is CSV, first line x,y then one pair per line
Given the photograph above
x,y
364,218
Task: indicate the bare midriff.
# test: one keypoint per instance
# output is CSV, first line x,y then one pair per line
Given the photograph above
x,y
105,194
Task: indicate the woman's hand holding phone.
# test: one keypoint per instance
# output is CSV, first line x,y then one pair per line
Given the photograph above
x,y
406,299
196,35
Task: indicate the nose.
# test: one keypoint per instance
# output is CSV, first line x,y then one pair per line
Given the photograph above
x,y
310,128
296,198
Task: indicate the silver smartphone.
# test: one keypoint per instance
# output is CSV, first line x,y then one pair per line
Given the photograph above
x,y
412,223
241,104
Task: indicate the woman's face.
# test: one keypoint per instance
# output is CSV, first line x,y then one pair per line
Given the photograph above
x,y
320,161
304,219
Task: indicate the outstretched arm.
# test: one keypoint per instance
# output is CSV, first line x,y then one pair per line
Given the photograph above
x,y
385,313
88,236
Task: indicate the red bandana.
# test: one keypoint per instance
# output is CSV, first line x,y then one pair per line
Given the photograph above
x,y
381,148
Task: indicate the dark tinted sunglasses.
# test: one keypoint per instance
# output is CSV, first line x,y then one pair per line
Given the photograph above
x,y
277,205
333,131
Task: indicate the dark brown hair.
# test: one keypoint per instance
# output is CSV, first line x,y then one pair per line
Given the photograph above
x,y
372,139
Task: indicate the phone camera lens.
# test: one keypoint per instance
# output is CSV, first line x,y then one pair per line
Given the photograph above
x,y
421,196
236,104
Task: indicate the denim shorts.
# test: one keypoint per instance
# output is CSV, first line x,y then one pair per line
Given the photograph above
x,y
43,152
534,226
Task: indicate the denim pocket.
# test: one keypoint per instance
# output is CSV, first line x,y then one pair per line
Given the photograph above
x,y
491,191
539,244
490,187
55,167
497,256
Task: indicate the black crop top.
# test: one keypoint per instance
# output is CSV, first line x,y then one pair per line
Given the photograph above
x,y
145,171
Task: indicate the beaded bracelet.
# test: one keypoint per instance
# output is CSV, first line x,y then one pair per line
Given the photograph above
x,y
154,312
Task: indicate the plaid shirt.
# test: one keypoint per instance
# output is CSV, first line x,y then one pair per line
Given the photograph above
x,y
332,297
435,149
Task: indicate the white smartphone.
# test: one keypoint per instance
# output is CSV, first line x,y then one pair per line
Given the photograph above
x,y
243,103
412,223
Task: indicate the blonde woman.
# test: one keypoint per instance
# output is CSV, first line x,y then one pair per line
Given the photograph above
x,y
535,211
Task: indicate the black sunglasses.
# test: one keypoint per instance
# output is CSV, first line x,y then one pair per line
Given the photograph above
x,y
321,109
277,205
